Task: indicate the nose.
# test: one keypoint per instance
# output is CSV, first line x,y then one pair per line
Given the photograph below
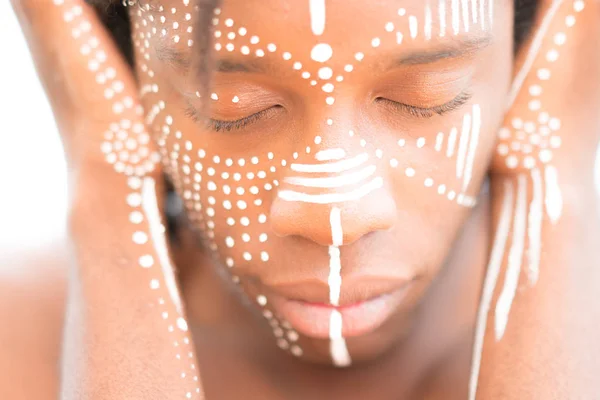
x,y
333,201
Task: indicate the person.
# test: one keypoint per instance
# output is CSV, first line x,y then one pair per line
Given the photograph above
x,y
360,214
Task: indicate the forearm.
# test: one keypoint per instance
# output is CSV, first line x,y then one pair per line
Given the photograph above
x,y
125,336
541,343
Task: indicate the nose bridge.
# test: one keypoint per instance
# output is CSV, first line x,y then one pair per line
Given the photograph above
x,y
333,195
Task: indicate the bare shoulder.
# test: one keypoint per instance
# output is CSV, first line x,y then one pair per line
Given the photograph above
x,y
32,294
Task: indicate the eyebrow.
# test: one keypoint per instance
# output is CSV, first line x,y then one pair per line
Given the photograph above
x,y
457,48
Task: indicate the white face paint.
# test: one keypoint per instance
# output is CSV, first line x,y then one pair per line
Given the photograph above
x,y
527,144
336,175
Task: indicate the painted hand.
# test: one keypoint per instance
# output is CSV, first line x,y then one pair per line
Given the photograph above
x,y
543,169
126,336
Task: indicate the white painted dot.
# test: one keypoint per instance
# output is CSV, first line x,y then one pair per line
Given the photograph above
x,y
140,237
247,256
235,99
512,162
262,300
560,38
554,124
154,284
182,324
535,105
325,73
570,20
552,55
375,42
428,182
579,5
420,142
348,68
359,56
393,163
287,56
543,74
545,156
262,237
264,256
328,88
146,261
229,242
330,100
389,27
321,52
410,172
535,90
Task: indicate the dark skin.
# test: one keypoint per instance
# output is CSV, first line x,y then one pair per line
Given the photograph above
x,y
420,370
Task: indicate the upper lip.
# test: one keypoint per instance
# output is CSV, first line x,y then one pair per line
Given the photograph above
x,y
354,290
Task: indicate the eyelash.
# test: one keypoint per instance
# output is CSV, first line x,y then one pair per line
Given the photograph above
x,y
419,112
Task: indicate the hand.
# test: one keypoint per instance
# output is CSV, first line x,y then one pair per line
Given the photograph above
x,y
126,335
543,192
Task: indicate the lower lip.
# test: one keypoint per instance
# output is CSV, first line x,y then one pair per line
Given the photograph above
x,y
358,319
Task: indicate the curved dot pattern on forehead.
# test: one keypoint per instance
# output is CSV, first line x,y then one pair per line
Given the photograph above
x,y
125,146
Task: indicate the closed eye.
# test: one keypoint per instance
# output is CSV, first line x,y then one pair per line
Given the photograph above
x,y
429,112
218,125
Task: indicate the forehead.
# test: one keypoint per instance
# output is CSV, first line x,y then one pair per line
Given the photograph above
x,y
346,25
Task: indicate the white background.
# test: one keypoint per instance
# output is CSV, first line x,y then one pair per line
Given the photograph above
x,y
32,168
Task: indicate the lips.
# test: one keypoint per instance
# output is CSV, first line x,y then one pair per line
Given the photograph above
x,y
364,306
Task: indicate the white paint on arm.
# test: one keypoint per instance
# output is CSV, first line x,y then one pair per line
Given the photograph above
x,y
490,282
532,53
150,207
554,200
515,260
534,228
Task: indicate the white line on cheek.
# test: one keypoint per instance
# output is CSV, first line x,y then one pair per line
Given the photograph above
x,y
413,26
451,142
515,259
150,207
439,141
554,201
462,147
534,228
317,16
455,17
489,285
472,146
482,13
427,22
465,14
474,10
442,17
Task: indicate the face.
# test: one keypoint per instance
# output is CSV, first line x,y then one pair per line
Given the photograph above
x,y
336,154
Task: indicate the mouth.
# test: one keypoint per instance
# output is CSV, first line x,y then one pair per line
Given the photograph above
x,y
360,315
